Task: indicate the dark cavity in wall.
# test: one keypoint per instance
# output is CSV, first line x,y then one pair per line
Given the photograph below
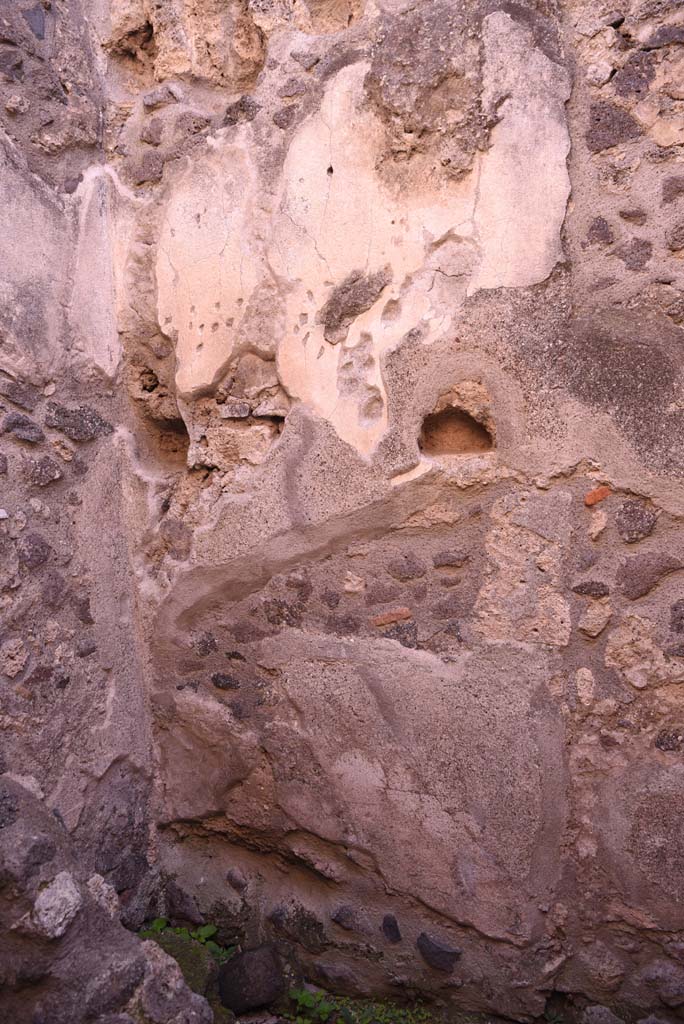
x,y
453,432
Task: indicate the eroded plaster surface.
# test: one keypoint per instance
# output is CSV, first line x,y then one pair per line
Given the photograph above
x,y
341,436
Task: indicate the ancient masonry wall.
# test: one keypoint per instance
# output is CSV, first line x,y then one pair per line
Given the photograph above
x,y
341,452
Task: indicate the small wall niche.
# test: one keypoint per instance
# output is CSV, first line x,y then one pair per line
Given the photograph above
x,y
454,431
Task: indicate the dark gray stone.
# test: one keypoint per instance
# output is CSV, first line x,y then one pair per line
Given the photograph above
x,y
343,625
54,590
449,608
677,616
9,808
625,361
180,905
421,69
149,167
44,471
599,1015
449,559
23,395
406,567
436,954
151,133
390,929
283,613
35,19
357,293
636,253
244,109
600,232
251,979
331,598
670,740
33,550
591,588
666,35
285,117
345,917
205,644
223,681
635,521
81,605
163,95
608,126
406,633
80,424
675,237
673,188
635,76
300,925
637,576
292,87
236,879
634,216
233,409
306,60
11,65
22,428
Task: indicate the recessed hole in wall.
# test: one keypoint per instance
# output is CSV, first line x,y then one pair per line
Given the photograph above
x,y
330,170
148,380
453,432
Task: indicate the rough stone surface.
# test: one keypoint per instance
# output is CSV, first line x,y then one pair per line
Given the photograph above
x,y
62,937
436,954
342,449
56,906
251,979
635,521
638,575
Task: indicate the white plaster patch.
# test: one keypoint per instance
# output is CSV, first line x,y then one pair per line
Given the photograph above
x,y
103,232
223,246
524,183
208,263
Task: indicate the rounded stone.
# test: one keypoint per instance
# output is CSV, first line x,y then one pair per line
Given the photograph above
x,y
251,979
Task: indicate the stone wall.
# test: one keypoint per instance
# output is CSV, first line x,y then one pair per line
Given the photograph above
x,y
342,450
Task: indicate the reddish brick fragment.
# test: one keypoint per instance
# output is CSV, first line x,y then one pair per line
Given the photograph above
x,y
598,494
395,615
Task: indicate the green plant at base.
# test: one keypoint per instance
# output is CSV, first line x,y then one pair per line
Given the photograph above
x,y
316,1007
204,935
311,1006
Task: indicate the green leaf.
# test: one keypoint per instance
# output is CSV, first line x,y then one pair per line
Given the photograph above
x,y
159,924
206,931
